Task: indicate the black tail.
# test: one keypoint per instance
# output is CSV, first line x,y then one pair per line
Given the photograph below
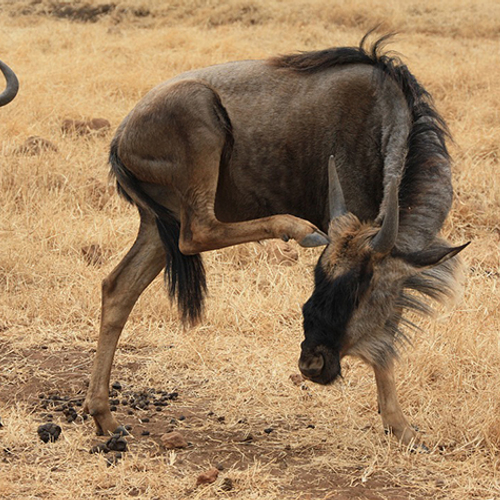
x,y
184,274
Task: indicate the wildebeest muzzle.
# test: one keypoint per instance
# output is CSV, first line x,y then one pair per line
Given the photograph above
x,y
320,364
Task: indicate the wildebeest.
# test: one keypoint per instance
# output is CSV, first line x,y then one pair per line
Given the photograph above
x,y
12,85
340,147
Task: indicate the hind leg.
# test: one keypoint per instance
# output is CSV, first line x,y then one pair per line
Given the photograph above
x,y
120,291
180,147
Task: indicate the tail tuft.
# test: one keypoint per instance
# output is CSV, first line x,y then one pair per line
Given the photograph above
x,y
184,274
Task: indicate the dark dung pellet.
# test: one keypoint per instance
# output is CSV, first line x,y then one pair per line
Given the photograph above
x,y
49,432
117,443
113,459
99,448
227,484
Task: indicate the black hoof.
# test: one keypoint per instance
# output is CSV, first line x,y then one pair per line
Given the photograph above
x,y
316,239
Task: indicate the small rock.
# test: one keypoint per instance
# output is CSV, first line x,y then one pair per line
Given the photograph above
x,y
208,477
49,432
297,379
1,424
268,430
173,440
117,386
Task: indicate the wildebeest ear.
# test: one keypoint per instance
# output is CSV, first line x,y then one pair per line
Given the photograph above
x,y
432,256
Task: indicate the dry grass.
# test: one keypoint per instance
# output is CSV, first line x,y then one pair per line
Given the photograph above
x,y
238,362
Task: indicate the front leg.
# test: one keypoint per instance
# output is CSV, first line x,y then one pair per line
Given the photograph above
x,y
392,416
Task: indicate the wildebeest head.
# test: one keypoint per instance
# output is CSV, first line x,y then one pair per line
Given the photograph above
x,y
360,283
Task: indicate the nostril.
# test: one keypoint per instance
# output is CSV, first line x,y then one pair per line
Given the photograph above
x,y
312,366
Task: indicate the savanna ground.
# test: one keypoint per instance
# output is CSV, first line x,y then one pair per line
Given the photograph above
x,y
62,229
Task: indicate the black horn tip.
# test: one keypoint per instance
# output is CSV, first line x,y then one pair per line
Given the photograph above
x,y
12,84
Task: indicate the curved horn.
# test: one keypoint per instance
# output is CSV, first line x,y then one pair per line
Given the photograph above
x,y
385,239
336,196
12,85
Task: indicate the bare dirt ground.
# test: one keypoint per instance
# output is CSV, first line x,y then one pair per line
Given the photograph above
x,y
225,385
229,446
